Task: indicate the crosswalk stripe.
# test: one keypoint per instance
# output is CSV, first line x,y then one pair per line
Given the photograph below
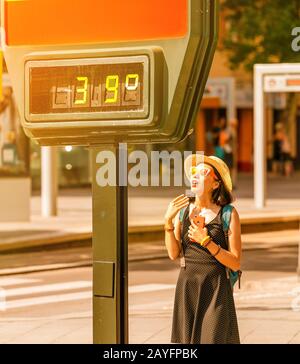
x,y
47,299
161,305
48,288
150,288
16,302
246,297
81,284
4,282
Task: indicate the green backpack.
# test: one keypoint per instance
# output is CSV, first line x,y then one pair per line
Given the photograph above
x,y
226,217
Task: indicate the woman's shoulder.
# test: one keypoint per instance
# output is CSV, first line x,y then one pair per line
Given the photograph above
x,y
230,207
232,210
235,217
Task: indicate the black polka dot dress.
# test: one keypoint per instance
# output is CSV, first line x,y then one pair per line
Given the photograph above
x,y
204,310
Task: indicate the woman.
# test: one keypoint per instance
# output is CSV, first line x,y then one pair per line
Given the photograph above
x,y
204,310
226,140
282,163
277,149
216,132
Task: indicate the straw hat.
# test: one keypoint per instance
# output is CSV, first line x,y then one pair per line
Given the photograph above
x,y
219,164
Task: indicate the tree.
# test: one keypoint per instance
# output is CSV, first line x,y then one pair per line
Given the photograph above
x,y
260,31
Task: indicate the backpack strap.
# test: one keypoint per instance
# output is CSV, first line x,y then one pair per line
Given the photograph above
x,y
181,214
226,217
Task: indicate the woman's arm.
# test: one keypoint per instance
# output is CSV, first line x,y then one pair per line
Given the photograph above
x,y
231,258
173,242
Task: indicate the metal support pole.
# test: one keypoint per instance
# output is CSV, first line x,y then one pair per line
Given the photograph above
x,y
260,157
110,247
232,118
49,184
298,268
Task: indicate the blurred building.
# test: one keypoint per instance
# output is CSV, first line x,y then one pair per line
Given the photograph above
x,y
228,94
216,103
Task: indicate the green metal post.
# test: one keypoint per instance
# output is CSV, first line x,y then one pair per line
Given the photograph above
x,y
110,251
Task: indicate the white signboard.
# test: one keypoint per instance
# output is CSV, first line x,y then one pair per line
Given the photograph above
x,y
282,83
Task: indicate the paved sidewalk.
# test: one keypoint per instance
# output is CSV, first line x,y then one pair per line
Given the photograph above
x,y
146,211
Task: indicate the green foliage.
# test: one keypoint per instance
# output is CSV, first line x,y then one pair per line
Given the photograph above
x,y
259,31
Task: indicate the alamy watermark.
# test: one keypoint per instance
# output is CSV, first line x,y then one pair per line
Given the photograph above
x,y
296,40
154,170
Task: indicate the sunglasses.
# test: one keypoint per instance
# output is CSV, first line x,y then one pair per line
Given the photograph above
x,y
204,172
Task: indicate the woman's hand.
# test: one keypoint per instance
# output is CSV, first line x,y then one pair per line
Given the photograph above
x,y
175,206
196,233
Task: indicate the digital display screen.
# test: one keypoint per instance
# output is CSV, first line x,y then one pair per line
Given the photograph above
x,y
107,87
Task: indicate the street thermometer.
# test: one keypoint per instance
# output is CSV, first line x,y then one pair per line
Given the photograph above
x,y
101,73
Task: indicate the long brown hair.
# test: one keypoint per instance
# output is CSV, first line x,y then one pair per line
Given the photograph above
x,y
221,196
